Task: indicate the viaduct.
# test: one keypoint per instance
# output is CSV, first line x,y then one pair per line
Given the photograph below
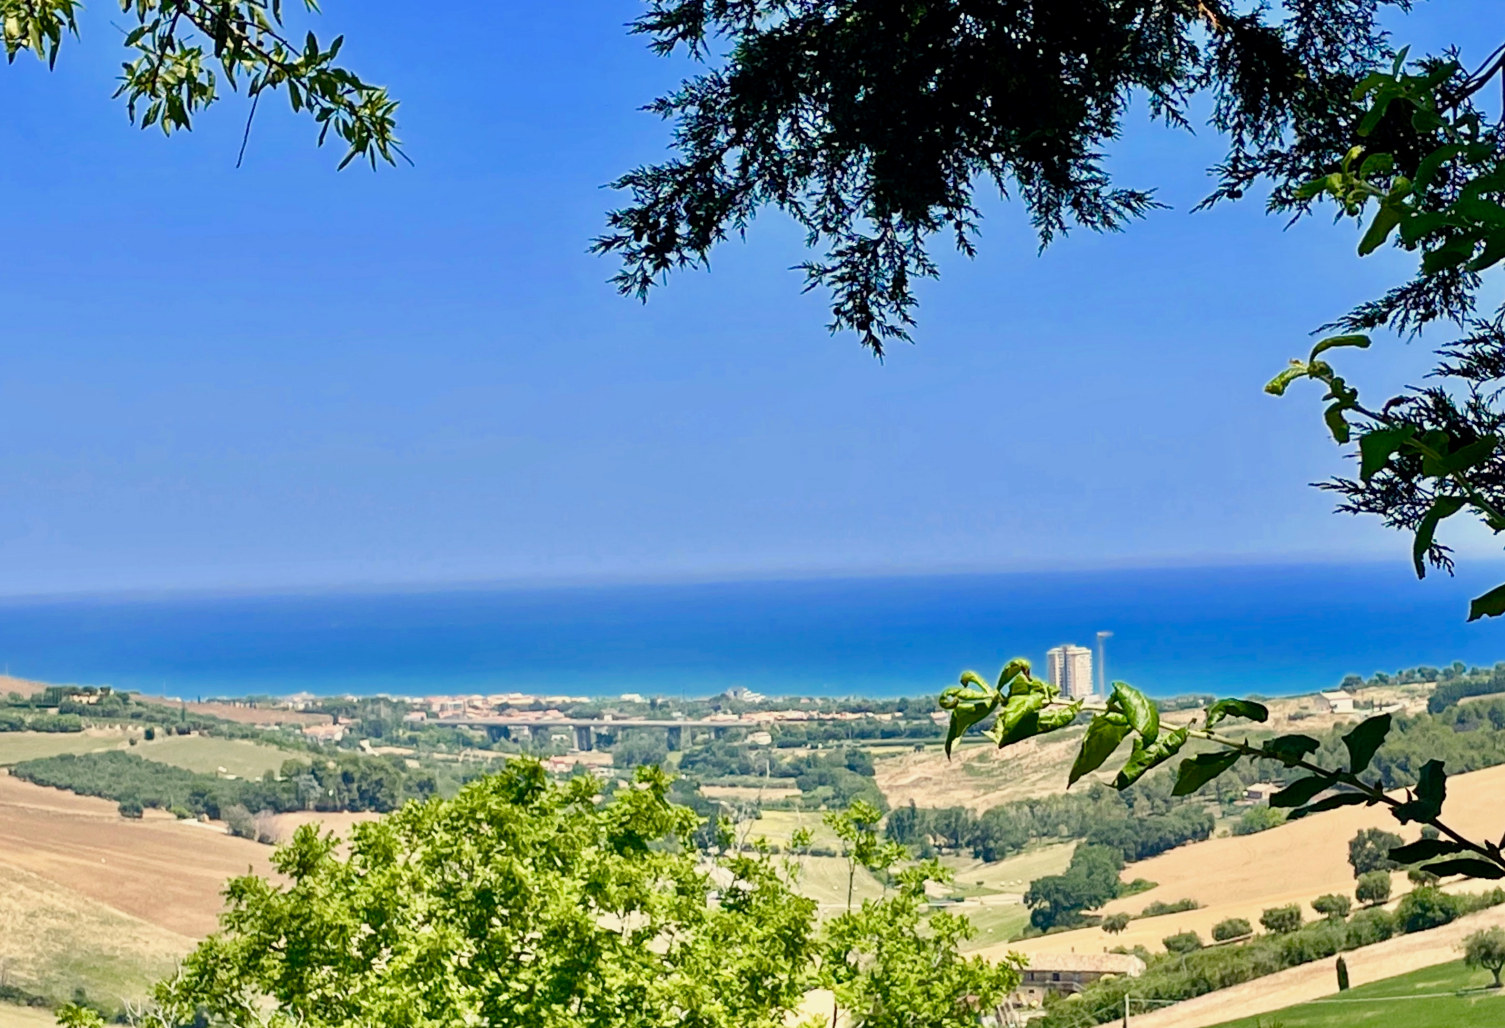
x,y
585,729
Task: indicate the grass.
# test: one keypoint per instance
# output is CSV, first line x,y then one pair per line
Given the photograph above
x,y
994,923
18,746
777,826
207,754
1429,998
974,878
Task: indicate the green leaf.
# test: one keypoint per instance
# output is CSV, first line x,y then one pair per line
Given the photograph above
x,y
1377,447
1385,219
1247,709
1011,671
1147,756
1143,715
1476,452
1337,424
1490,605
1332,342
1197,771
1032,722
1289,749
1103,737
1333,802
1471,867
1426,529
1364,740
1424,849
1301,792
1277,385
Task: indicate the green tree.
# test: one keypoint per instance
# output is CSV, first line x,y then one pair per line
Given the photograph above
x,y
1088,882
1332,906
1182,942
1486,949
1232,928
1372,887
1281,920
1423,908
1369,850
177,45
1342,970
857,828
1114,924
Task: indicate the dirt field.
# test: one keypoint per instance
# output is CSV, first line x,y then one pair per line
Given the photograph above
x,y
25,1017
1243,876
284,825
1315,980
24,686
241,714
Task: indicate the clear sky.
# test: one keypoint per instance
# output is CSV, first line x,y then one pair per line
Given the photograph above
x,y
282,375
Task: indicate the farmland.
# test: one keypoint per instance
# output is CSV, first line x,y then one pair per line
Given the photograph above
x,y
18,746
1444,996
209,755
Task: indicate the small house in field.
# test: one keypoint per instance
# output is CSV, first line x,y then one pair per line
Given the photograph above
x,y
1335,702
1065,974
1260,792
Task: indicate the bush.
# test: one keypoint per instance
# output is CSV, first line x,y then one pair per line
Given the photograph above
x,y
1158,909
1332,906
1281,920
150,733
1182,942
131,807
239,820
1369,850
1115,923
1373,887
1368,927
1259,819
1427,907
1233,928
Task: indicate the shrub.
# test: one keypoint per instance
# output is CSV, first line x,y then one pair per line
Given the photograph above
x,y
1280,920
1373,887
1423,908
1233,928
1182,942
150,733
1332,906
131,807
1369,850
1115,923
1342,975
239,820
1259,819
1158,909
1368,927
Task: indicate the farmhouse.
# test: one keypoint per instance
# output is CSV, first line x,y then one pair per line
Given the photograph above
x,y
1260,792
1063,974
1335,702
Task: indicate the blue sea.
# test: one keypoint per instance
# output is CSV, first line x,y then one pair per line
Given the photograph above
x,y
1241,629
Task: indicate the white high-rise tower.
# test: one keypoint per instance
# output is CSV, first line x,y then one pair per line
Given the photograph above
x,y
1070,670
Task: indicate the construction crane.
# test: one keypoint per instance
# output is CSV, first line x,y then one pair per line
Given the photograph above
x,y
1102,664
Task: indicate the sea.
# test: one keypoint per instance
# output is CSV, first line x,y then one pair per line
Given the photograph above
x,y
1269,630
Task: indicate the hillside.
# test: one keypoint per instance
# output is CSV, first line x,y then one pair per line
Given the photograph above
x,y
1240,876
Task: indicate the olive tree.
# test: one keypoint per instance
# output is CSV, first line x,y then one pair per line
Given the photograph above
x,y
1486,949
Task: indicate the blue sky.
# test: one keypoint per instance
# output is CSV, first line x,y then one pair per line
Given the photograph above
x,y
285,376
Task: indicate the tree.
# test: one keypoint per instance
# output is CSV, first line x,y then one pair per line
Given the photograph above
x,y
1182,942
1232,928
872,127
1369,850
131,807
1423,908
857,828
1332,906
1258,819
1342,969
176,45
1281,920
1486,949
1373,887
1114,924
1089,881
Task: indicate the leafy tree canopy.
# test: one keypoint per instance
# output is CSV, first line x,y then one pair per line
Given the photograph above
x,y
176,46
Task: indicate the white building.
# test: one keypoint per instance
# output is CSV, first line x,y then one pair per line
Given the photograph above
x,y
1335,702
1069,668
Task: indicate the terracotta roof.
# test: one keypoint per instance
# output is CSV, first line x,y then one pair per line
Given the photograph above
x,y
1105,963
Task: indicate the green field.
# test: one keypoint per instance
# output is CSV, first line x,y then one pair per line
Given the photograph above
x,y
207,754
18,746
1444,996
777,826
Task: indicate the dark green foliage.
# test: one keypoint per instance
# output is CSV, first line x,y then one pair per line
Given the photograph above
x,y
15,721
1372,887
1159,909
872,126
1426,907
1333,906
1342,969
1281,920
1090,881
1476,683
131,807
1258,819
1113,924
1142,838
1486,949
1182,942
1369,850
348,782
1232,928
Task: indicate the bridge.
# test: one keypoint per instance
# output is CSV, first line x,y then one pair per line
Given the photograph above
x,y
586,729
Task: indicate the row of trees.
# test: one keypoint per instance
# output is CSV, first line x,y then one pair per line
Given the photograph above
x,y
346,782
